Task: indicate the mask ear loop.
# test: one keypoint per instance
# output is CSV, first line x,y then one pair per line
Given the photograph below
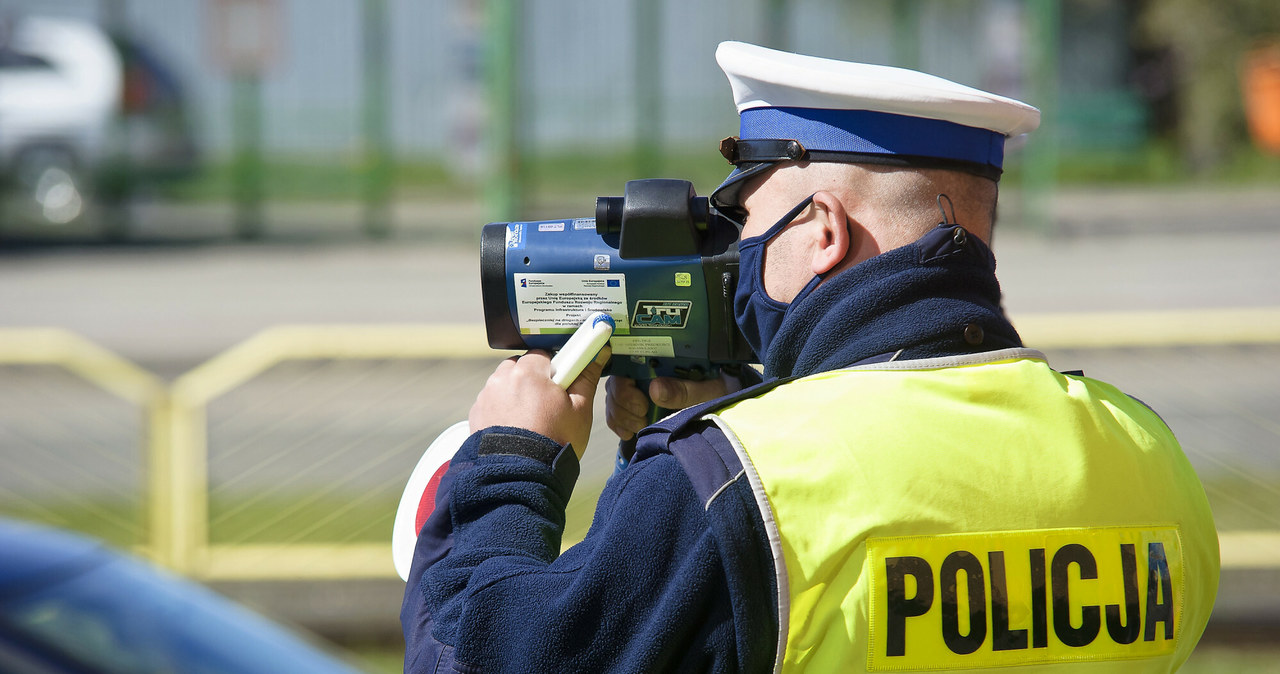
x,y
783,223
950,205
958,233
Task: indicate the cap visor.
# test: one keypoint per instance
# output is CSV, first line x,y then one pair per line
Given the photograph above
x,y
725,197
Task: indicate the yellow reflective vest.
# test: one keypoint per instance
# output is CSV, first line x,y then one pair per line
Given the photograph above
x,y
975,512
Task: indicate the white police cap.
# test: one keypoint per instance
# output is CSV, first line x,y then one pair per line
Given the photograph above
x,y
794,107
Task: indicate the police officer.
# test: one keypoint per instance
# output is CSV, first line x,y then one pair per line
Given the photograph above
x,y
910,488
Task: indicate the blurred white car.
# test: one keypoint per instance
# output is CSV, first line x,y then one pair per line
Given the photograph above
x,y
83,113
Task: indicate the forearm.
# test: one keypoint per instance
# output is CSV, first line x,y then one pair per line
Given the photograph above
x,y
489,582
502,502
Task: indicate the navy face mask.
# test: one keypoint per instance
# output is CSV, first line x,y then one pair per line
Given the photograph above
x,y
759,316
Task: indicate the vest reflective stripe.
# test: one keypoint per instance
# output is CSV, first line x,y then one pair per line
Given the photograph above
x,y
985,473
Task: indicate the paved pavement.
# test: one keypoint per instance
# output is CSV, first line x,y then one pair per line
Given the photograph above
x,y
185,289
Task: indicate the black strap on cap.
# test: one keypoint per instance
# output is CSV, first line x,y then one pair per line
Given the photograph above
x,y
738,151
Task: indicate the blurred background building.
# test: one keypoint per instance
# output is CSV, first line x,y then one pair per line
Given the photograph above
x,y
237,244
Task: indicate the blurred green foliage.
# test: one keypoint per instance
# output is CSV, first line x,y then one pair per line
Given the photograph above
x,y
121,522
322,177
553,179
1200,133
1162,162
301,517
1207,41
326,178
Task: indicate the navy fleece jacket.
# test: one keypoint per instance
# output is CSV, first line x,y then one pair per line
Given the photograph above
x,y
646,591
675,573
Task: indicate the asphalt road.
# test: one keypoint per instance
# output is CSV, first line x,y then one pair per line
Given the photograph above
x,y
185,290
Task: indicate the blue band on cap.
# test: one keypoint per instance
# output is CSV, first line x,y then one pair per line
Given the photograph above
x,y
872,132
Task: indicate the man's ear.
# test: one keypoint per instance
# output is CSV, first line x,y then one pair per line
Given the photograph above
x,y
832,239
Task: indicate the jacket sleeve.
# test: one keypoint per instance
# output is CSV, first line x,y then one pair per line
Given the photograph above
x,y
646,590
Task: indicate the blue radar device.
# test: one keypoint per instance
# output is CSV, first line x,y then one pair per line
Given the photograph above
x,y
659,261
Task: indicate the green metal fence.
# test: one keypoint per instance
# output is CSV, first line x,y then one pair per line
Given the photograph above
x,y
376,102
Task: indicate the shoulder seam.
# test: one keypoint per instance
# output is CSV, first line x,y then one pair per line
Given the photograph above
x,y
723,487
772,533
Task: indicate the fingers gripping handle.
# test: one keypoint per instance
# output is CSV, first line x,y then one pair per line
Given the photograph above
x,y
628,447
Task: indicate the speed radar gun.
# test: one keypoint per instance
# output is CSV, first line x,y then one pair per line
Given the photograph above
x,y
658,260
652,275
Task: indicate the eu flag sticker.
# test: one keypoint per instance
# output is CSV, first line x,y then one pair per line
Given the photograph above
x,y
613,283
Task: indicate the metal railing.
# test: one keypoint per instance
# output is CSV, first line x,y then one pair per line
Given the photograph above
x,y
69,490
284,456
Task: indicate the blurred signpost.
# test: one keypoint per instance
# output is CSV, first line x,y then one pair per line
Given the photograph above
x,y
114,194
245,36
1040,178
376,166
647,76
906,34
777,24
504,179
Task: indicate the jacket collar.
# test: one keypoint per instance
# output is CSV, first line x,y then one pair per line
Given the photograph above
x,y
935,297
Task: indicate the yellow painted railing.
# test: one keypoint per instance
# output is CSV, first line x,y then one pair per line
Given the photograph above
x,y
1204,327
193,391
116,375
177,430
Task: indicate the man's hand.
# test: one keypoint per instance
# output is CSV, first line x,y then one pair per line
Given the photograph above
x,y
626,408
520,393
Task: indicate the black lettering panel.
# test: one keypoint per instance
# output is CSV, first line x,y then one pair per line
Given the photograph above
x,y
1091,620
1126,632
1039,600
949,577
1002,638
1159,593
900,606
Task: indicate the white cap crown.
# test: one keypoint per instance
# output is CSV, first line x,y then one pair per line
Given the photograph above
x,y
767,78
